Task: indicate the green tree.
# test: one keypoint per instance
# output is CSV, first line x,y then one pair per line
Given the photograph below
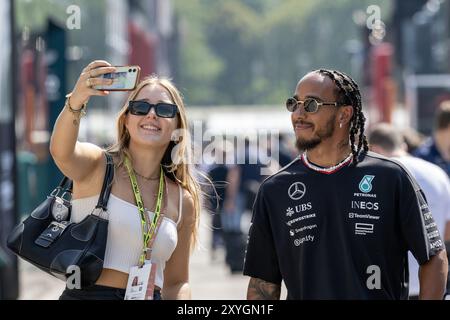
x,y
264,46
198,66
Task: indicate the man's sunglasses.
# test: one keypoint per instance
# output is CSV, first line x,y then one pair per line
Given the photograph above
x,y
162,109
310,105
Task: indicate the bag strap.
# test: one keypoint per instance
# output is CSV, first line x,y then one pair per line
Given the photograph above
x,y
107,183
63,183
65,186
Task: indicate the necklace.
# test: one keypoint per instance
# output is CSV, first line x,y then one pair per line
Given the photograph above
x,y
145,178
327,170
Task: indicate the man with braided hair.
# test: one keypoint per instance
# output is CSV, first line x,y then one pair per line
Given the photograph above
x,y
338,221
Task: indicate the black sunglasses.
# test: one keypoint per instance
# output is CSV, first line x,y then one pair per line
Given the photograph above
x,y
310,105
162,109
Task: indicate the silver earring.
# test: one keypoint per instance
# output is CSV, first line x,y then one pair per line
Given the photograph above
x,y
340,125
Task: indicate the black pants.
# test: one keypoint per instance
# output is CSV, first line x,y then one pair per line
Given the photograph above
x,y
235,250
99,293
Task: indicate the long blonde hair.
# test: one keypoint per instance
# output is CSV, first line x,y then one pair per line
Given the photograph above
x,y
181,172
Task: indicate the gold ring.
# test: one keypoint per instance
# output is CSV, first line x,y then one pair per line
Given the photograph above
x,y
89,83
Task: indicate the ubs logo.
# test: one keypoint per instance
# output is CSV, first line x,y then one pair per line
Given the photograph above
x,y
297,190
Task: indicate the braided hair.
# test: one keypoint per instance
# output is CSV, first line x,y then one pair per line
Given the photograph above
x,y
347,93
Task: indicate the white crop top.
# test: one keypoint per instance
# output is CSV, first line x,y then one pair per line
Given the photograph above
x,y
124,241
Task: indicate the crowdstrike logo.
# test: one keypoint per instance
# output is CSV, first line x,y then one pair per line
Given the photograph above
x,y
297,190
298,219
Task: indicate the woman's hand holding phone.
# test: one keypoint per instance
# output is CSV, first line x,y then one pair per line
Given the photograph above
x,y
91,76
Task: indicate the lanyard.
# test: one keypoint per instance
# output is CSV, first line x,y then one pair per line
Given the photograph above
x,y
151,230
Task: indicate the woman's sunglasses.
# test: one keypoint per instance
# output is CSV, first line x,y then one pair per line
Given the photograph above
x,y
162,109
310,105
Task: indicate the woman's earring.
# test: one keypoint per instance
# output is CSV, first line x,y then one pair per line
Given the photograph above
x,y
340,125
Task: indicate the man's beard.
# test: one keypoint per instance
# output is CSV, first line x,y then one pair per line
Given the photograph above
x,y
325,133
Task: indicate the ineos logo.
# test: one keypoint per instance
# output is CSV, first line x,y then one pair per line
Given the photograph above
x,y
297,190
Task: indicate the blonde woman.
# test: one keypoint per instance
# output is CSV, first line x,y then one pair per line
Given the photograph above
x,y
145,127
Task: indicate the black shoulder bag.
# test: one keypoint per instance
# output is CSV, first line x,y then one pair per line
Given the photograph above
x,y
48,239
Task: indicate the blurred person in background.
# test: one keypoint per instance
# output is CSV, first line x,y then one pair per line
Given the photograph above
x,y
153,111
338,222
243,180
388,141
217,174
413,139
285,156
436,149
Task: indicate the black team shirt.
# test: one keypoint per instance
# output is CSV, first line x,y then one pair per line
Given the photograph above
x,y
340,235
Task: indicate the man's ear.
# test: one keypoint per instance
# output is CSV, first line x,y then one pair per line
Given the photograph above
x,y
345,114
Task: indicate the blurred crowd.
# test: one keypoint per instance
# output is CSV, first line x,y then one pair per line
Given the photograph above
x,y
236,183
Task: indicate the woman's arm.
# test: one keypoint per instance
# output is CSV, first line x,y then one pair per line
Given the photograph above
x,y
75,159
176,273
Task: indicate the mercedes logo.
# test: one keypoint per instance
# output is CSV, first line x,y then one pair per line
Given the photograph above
x,y
297,190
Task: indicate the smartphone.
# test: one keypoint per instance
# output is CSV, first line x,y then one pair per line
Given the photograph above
x,y
125,79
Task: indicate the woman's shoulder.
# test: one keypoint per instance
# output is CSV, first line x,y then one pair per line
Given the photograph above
x,y
183,194
188,206
92,183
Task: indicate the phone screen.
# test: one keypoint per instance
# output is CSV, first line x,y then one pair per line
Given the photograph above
x,y
120,80
125,78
